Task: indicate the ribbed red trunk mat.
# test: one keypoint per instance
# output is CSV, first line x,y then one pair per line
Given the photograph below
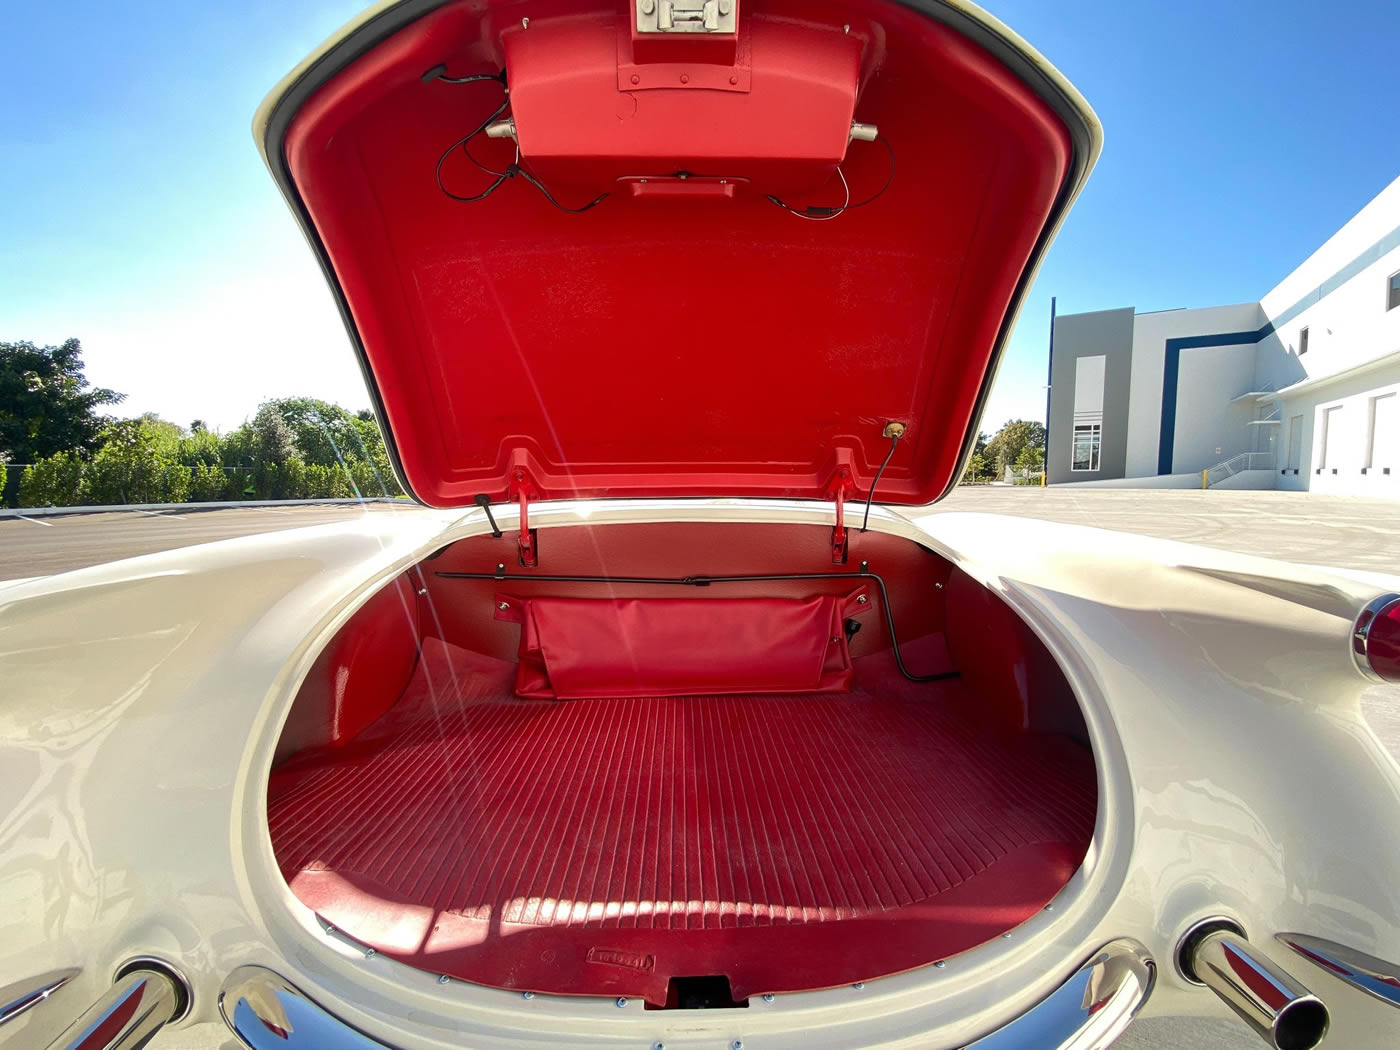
x,y
605,846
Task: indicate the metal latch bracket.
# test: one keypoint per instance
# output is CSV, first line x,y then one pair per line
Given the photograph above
x,y
522,490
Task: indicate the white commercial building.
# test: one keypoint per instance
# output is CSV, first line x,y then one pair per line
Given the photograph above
x,y
1300,390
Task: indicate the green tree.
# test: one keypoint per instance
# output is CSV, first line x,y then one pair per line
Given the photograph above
x,y
1032,459
54,481
211,483
325,434
138,463
47,404
329,436
1011,442
274,441
201,447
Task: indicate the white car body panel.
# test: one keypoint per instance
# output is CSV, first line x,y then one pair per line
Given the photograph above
x,y
143,700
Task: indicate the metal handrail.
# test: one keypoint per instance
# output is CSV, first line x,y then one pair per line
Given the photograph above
x,y
1237,464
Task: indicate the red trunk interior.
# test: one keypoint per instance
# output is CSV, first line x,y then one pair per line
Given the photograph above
x,y
605,845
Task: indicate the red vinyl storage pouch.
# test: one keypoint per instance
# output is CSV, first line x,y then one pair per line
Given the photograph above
x,y
574,648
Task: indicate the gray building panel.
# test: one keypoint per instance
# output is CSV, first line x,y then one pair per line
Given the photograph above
x,y
1106,333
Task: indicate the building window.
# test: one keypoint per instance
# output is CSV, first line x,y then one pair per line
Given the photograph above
x,y
1295,443
1392,291
1383,437
1303,341
1087,438
1327,441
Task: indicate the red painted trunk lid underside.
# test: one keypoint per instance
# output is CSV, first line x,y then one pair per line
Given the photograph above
x,y
686,336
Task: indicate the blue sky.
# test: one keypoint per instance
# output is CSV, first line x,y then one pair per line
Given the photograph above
x,y
136,214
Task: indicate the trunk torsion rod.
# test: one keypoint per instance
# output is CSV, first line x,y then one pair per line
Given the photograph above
x,y
705,581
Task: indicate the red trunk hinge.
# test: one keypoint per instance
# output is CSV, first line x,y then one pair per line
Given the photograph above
x,y
840,538
522,490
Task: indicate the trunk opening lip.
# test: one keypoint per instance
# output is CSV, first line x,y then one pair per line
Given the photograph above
x,y
374,991
1090,1008
274,115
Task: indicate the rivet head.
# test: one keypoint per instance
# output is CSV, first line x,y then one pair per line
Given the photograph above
x,y
858,985
738,1044
685,79
636,79
845,29
503,606
767,997
524,23
862,600
527,995
621,1001
1006,936
648,7
369,953
734,80
443,978
940,964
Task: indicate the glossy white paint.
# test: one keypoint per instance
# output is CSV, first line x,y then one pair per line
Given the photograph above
x,y
143,699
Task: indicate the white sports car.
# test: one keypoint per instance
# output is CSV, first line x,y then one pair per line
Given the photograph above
x,y
670,720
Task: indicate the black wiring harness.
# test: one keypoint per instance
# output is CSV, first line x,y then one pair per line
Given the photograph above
x,y
821,213
513,169
814,212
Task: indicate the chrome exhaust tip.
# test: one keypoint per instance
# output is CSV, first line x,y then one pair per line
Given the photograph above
x,y
145,997
1281,1011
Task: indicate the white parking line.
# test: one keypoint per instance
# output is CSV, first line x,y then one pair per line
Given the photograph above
x,y
36,521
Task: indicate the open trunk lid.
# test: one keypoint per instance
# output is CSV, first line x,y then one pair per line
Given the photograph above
x,y
693,269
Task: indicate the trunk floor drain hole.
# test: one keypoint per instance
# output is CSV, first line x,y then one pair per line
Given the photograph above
x,y
710,992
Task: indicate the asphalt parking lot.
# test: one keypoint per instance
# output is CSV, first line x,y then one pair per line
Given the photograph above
x,y
1348,533
1340,531
41,545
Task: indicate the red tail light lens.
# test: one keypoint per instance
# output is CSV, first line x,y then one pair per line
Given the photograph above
x,y
1375,641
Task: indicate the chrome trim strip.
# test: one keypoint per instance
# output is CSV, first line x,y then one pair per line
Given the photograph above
x,y
1376,977
19,996
1087,1012
136,1007
268,1013
1361,633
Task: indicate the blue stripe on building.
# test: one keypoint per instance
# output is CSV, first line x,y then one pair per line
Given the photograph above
x,y
1171,369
